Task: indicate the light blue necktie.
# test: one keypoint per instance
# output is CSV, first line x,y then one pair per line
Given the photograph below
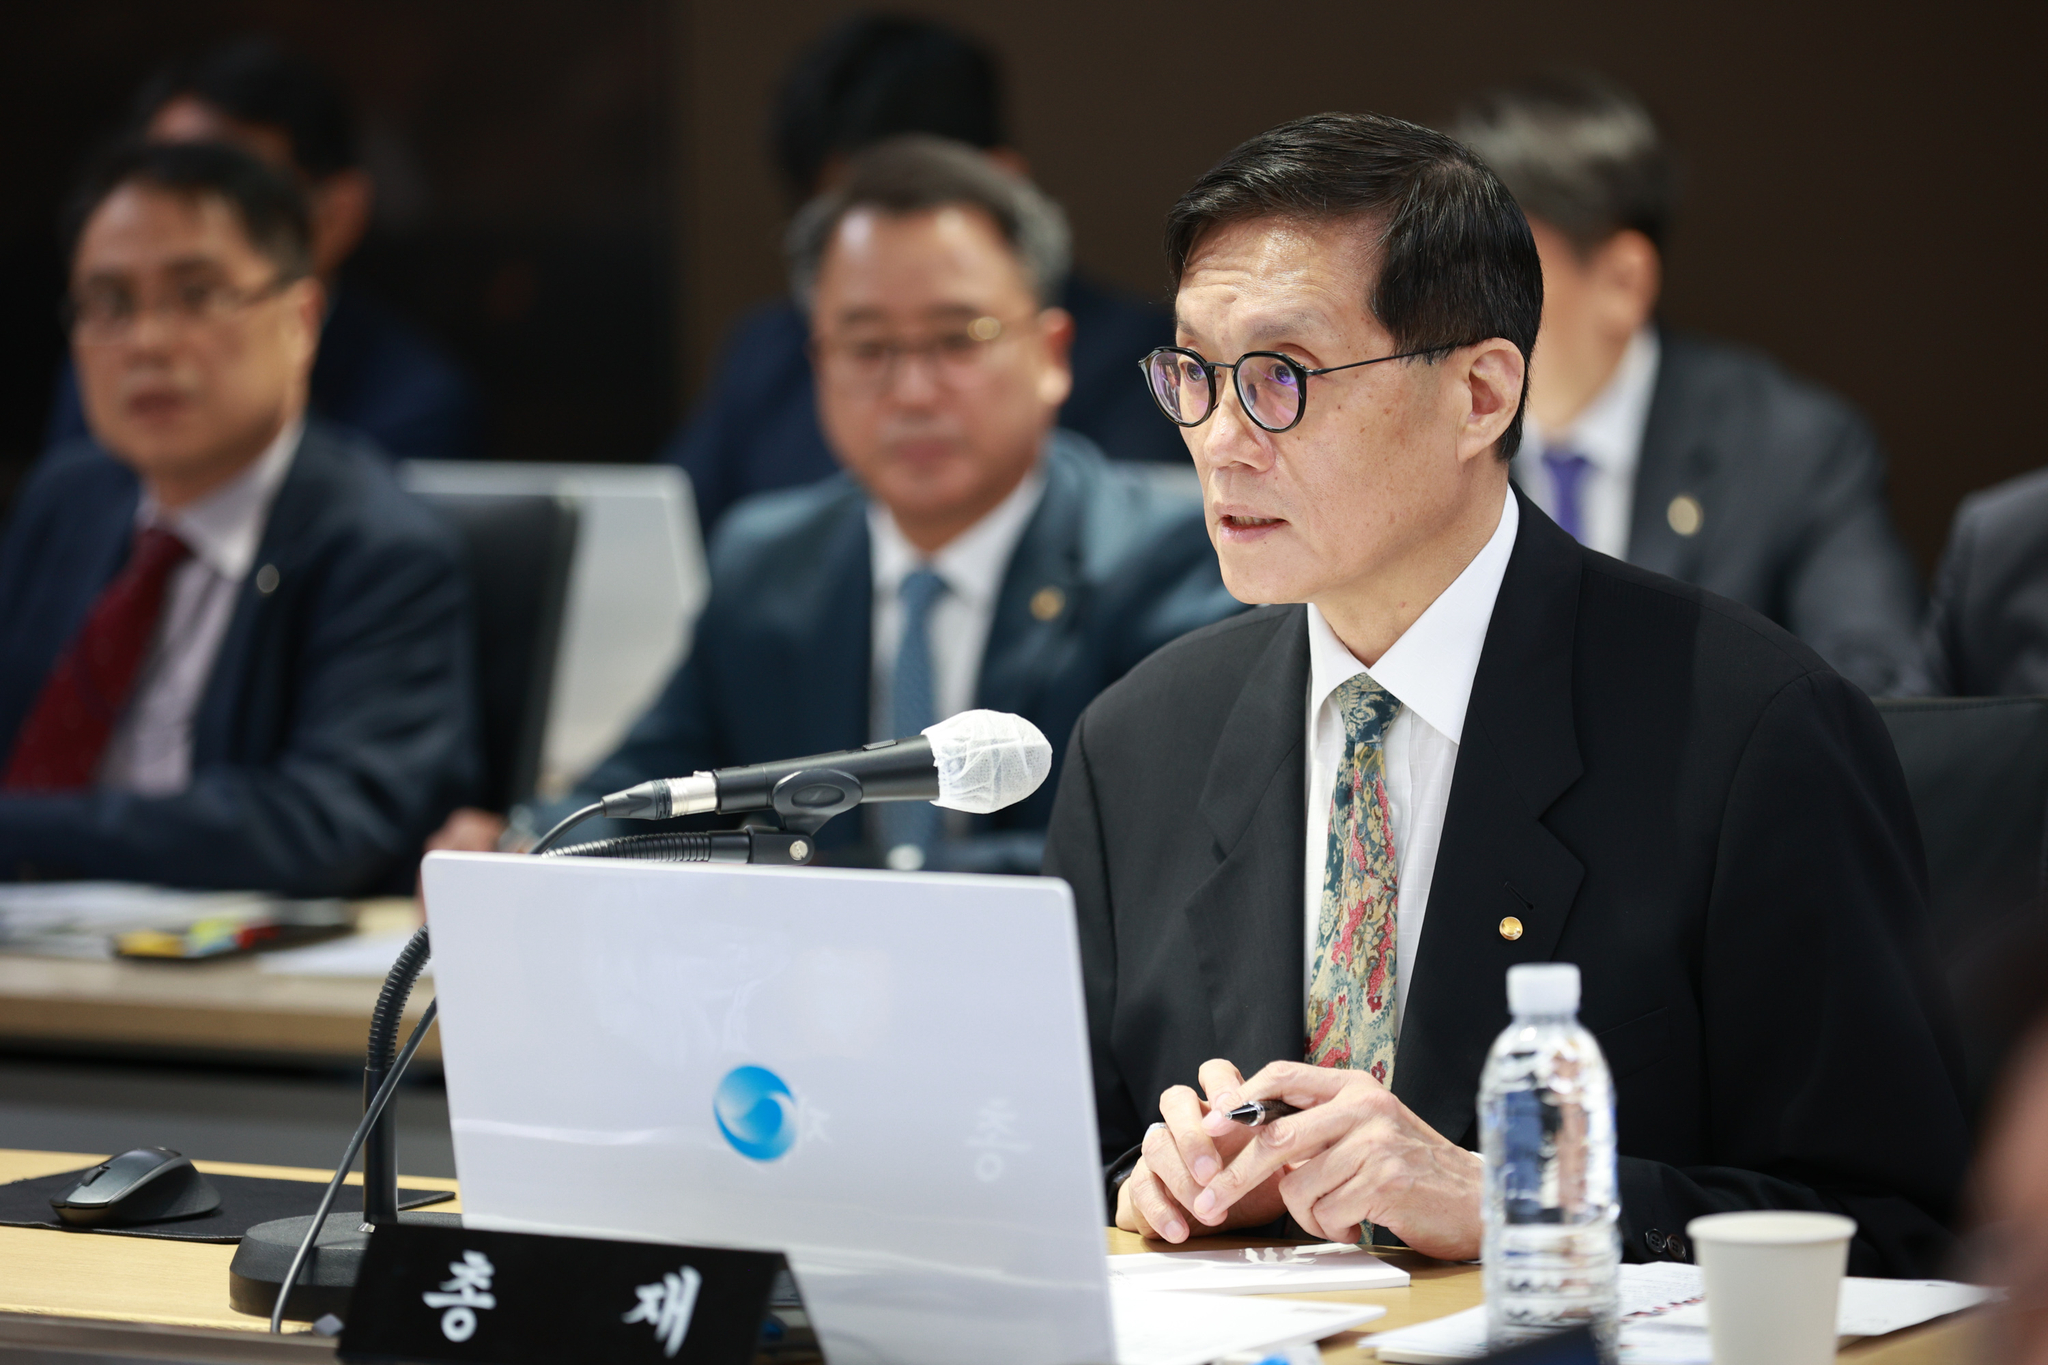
x,y
1567,481
904,825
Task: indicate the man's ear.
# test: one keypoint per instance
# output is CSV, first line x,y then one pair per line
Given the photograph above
x,y
308,300
1628,275
341,205
1490,376
1056,334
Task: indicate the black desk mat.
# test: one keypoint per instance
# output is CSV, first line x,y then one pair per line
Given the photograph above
x,y
245,1201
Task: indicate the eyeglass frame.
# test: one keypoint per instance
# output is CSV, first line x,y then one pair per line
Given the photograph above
x,y
984,330
1302,374
68,309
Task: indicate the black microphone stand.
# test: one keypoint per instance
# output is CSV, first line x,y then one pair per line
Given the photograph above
x,y
270,1252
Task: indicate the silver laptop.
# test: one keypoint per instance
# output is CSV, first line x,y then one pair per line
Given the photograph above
x,y
884,1076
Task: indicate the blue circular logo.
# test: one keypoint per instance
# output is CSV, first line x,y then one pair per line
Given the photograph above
x,y
756,1112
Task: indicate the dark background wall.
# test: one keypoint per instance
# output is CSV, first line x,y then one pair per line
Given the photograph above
x,y
579,203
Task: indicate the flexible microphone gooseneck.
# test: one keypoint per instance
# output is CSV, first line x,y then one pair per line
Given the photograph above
x,y
976,761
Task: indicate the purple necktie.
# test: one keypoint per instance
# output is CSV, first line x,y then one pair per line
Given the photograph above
x,y
1567,472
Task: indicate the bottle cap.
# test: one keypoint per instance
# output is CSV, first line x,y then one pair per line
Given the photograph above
x,y
1543,988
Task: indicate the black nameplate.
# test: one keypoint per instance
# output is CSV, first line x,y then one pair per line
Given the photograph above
x,y
511,1298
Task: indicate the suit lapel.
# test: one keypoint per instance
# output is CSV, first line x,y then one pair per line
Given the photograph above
x,y
1246,919
1497,861
831,601
842,632
1041,596
291,542
1676,462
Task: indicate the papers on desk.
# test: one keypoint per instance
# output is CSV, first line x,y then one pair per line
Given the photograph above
x,y
360,955
80,919
1664,1317
1322,1268
1194,1329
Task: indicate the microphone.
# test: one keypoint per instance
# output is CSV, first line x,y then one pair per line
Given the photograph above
x,y
976,761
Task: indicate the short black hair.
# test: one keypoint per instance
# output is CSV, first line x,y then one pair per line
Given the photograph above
x,y
1577,151
916,172
270,203
1456,262
253,80
875,76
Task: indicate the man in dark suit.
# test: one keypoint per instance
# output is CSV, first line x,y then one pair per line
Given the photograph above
x,y
1988,633
755,427
233,653
376,374
1696,459
970,554
1550,754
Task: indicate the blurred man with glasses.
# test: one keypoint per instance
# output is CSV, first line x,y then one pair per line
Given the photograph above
x,y
376,373
233,653
970,554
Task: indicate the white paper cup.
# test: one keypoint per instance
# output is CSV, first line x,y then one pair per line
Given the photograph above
x,y
1773,1282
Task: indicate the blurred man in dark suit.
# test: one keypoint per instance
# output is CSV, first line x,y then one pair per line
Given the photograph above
x,y
1680,454
375,374
1988,633
756,425
233,653
971,554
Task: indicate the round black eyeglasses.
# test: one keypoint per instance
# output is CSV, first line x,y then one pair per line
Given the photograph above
x,y
1273,388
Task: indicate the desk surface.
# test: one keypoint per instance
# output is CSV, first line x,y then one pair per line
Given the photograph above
x,y
185,1284
225,1008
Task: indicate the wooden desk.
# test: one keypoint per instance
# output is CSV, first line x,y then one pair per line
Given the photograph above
x,y
1439,1288
182,1287
211,1009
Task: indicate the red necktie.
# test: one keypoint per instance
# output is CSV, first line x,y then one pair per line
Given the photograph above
x,y
59,746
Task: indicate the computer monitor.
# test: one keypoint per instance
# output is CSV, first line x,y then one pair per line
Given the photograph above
x,y
635,587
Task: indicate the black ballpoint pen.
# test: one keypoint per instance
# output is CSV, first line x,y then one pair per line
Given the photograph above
x,y
1256,1112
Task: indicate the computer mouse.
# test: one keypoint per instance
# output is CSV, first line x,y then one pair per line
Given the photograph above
x,y
147,1185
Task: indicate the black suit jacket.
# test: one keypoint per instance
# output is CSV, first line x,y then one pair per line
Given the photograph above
x,y
1663,787
781,662
338,726
1790,481
1988,633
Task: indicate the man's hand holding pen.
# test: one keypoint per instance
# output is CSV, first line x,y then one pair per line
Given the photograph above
x,y
1352,1154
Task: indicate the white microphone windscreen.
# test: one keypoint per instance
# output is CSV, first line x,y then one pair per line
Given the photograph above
x,y
987,760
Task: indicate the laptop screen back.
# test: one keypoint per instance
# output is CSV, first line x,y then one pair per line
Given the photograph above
x,y
884,1076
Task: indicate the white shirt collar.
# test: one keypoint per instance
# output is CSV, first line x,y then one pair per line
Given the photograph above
x,y
972,563
225,528
1609,430
1430,668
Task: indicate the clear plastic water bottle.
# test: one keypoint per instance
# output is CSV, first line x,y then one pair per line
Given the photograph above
x,y
1546,1128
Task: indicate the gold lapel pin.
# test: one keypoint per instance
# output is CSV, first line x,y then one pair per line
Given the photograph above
x,y
1511,928
1048,602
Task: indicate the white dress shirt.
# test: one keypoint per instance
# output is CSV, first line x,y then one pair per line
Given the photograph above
x,y
972,564
1429,669
1609,433
150,751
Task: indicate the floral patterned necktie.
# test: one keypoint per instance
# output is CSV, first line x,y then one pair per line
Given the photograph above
x,y
1351,983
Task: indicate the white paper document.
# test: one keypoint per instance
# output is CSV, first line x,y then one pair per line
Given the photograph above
x,y
1321,1268
1664,1317
1194,1329
358,955
80,919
